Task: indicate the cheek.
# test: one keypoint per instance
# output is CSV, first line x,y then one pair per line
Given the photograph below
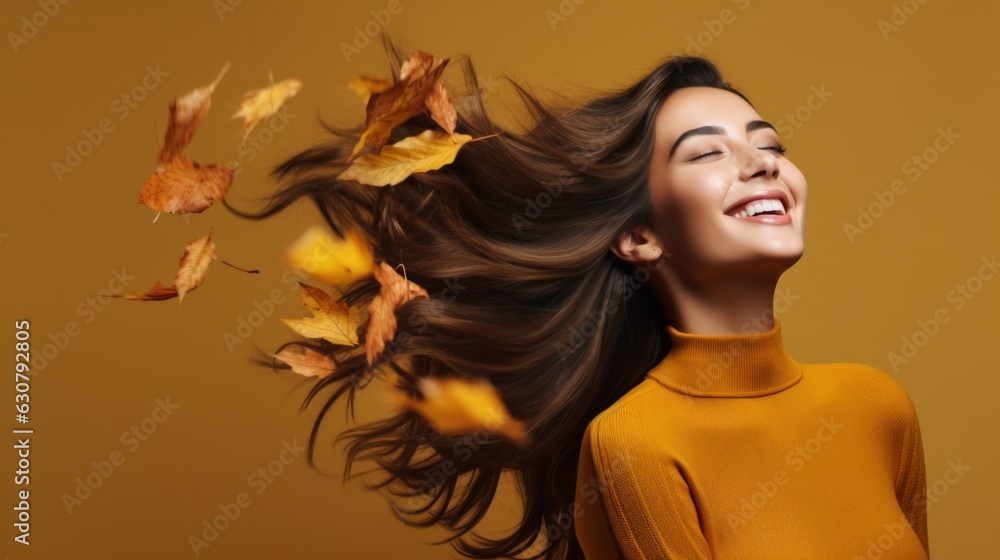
x,y
694,192
796,182
689,206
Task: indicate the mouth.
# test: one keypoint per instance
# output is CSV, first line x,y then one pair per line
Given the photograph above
x,y
766,207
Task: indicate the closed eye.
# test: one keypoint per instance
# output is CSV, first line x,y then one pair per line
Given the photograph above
x,y
780,148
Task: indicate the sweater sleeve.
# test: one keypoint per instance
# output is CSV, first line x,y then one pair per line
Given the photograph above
x,y
634,504
911,479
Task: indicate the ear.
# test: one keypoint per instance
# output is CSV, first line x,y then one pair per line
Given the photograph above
x,y
636,245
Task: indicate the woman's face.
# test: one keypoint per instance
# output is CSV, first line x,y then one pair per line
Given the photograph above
x,y
698,179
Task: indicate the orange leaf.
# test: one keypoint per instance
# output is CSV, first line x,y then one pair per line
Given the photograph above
x,y
307,362
185,186
394,292
191,271
453,405
179,184
403,100
158,292
332,320
442,111
194,264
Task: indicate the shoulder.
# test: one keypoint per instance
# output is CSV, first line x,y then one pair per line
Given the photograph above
x,y
872,389
620,425
637,403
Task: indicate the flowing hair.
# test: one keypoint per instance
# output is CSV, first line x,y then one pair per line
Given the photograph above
x,y
511,241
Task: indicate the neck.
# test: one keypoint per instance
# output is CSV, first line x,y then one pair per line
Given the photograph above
x,y
725,303
745,364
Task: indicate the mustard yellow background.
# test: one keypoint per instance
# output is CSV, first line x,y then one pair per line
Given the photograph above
x,y
888,107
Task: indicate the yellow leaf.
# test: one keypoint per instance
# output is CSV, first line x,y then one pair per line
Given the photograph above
x,y
333,260
259,104
459,406
364,87
427,151
332,320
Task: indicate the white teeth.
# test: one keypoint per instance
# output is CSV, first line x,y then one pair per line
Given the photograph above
x,y
758,206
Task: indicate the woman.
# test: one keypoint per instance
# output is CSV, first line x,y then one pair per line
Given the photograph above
x,y
604,272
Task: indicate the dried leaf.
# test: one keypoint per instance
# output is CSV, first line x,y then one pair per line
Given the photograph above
x,y
394,292
333,260
427,151
364,87
185,186
307,361
192,267
454,405
332,320
180,185
442,111
158,292
194,264
259,104
186,114
403,100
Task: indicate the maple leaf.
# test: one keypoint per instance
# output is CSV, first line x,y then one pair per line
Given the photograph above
x,y
336,261
191,271
180,185
307,362
453,405
442,111
332,320
403,100
364,87
427,151
394,292
259,104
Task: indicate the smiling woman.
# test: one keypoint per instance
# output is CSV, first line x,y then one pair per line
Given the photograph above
x,y
625,317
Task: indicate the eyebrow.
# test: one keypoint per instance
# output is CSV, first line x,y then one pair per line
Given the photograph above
x,y
751,126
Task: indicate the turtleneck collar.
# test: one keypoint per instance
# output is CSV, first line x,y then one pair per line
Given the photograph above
x,y
727,365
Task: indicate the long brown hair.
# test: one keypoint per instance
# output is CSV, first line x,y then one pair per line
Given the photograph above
x,y
511,241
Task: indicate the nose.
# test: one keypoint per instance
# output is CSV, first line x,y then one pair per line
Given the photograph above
x,y
759,163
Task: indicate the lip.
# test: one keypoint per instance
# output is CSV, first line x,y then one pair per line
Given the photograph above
x,y
761,195
772,219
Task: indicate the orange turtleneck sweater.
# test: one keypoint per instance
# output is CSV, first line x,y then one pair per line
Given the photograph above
x,y
731,449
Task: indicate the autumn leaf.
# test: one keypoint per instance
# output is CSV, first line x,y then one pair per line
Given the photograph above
x,y
403,100
364,87
194,264
332,320
259,104
454,405
394,292
336,261
180,185
427,151
307,361
442,111
158,292
191,271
